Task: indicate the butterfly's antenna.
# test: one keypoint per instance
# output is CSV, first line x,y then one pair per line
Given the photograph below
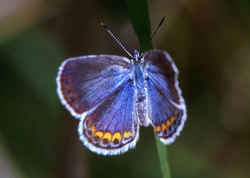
x,y
158,27
107,29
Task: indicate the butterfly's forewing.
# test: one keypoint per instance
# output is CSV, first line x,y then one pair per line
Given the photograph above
x,y
167,110
112,128
83,82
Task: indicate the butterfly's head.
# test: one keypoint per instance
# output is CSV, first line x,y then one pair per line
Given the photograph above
x,y
137,57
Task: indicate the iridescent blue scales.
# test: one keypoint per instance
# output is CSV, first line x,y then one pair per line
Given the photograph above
x,y
112,96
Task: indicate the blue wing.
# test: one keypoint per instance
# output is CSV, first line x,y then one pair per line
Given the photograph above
x,y
112,128
85,81
167,110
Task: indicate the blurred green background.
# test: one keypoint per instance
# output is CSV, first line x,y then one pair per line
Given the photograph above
x,y
210,43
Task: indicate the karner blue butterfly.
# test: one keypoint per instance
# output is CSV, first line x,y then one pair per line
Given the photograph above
x,y
112,96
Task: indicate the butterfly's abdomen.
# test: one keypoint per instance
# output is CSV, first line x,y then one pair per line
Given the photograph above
x,y
140,95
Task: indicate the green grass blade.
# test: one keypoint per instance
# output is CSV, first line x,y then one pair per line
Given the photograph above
x,y
138,12
162,153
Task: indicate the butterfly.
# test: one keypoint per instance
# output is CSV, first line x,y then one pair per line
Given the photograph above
x,y
113,96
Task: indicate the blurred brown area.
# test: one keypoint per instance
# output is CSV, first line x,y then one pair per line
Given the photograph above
x,y
210,43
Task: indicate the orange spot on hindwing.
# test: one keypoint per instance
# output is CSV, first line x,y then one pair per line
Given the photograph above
x,y
168,123
163,127
107,137
99,134
117,137
127,134
157,128
93,129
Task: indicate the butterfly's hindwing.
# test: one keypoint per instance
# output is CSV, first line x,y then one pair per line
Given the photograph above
x,y
112,128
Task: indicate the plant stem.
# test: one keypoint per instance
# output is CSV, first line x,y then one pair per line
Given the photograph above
x,y
162,154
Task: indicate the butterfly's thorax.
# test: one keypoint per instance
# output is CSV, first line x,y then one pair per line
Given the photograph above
x,y
140,93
